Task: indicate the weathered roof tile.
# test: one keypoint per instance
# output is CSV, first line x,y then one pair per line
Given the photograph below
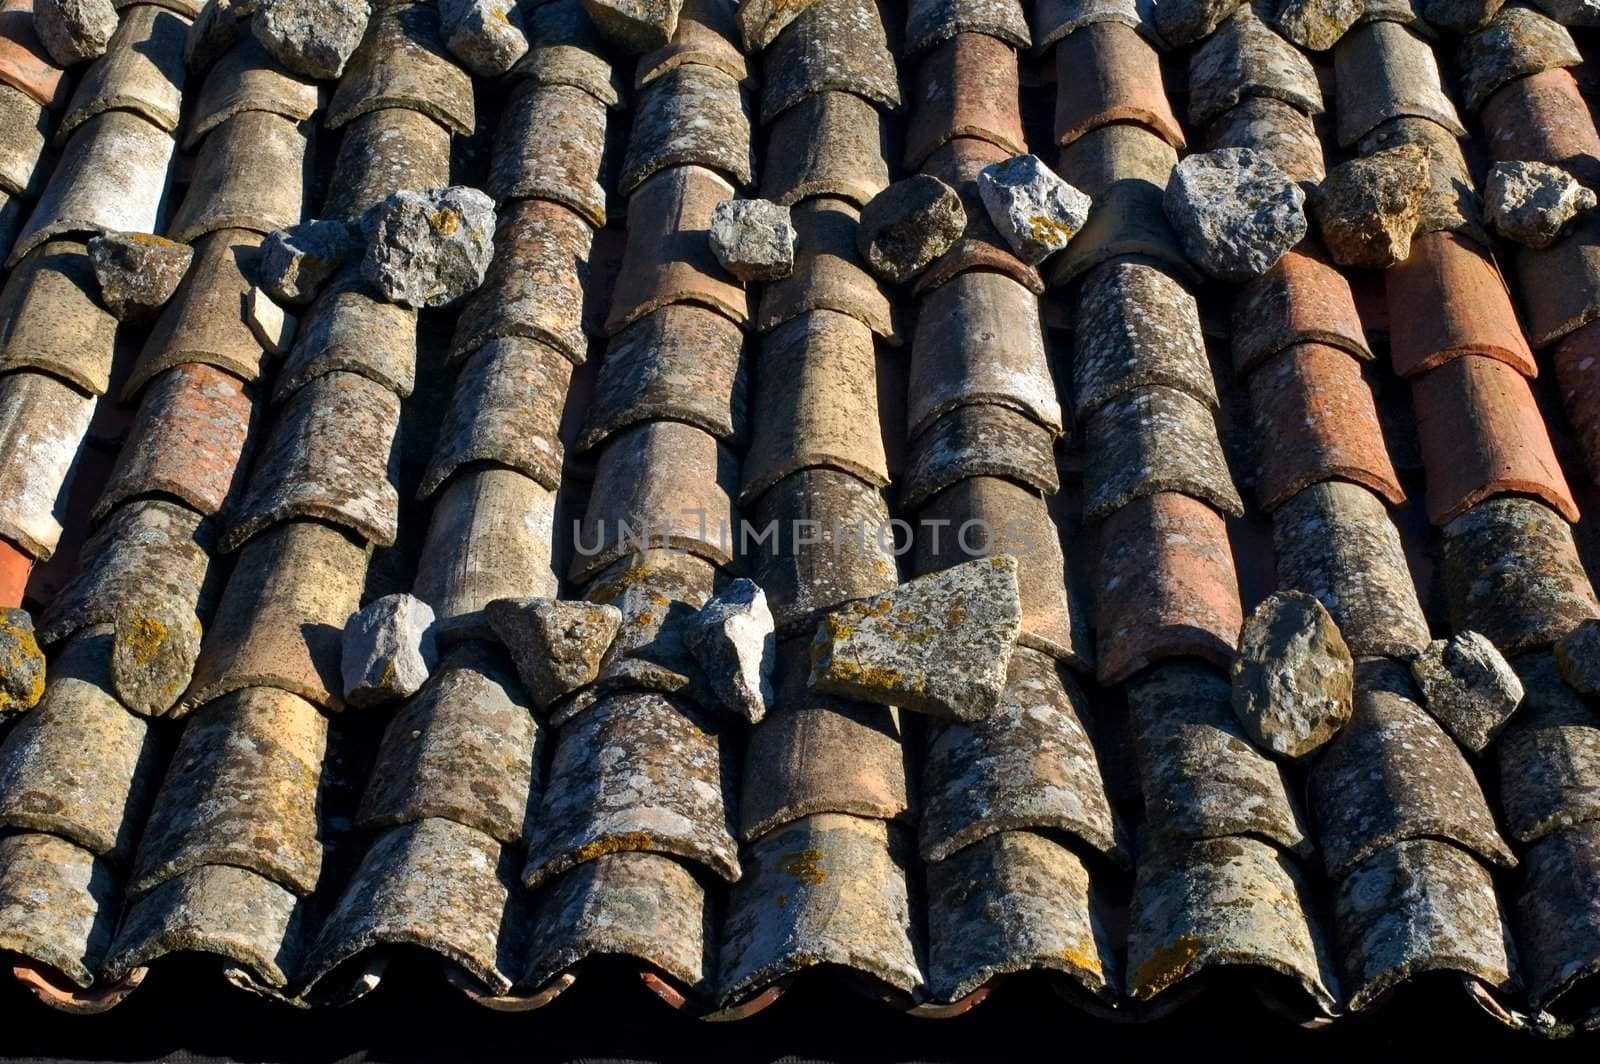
x,y
832,45
250,174
828,144
828,273
1155,439
142,72
694,115
56,904
52,320
965,87
979,441
246,78
1106,72
42,425
203,322
401,62
551,145
1383,71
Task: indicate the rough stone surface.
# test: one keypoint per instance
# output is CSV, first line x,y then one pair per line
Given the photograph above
x,y
313,38
556,645
154,646
1235,211
486,35
295,262
428,249
939,644
1293,678
1578,656
73,31
733,636
137,272
753,239
1367,209
635,26
1530,202
1468,686
388,650
1184,22
908,225
1571,12
1036,211
1459,16
21,662
1315,24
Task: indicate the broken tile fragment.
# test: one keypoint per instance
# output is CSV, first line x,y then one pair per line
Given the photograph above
x,y
21,662
908,225
272,327
1036,211
295,262
733,638
428,249
1468,686
556,645
138,272
1530,202
1367,209
1293,678
1578,656
486,35
635,26
74,31
753,239
1315,25
1235,211
314,38
939,644
387,650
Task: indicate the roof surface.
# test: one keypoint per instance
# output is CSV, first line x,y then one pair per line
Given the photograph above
x,y
1413,447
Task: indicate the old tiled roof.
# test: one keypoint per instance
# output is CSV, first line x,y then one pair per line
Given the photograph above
x,y
1169,451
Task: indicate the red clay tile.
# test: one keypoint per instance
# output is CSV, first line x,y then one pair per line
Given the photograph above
x,y
1166,586
1302,299
1448,300
1577,362
24,64
1544,118
1316,421
1561,283
1482,436
15,565
966,87
1108,73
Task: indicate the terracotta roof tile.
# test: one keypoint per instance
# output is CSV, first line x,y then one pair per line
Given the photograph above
x,y
965,87
830,46
24,65
142,72
1303,299
1448,301
1107,73
51,320
1543,118
401,63
202,322
350,329
957,163
828,273
829,144
705,37
1386,71
250,174
246,78
550,145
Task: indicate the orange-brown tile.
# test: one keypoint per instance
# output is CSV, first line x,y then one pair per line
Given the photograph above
x,y
966,87
1448,300
1108,73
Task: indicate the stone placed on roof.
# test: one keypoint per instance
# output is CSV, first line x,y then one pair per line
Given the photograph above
x,y
21,662
314,38
154,646
1293,678
733,638
635,26
387,650
1459,16
1280,131
295,262
908,225
74,31
428,249
939,644
1182,23
556,645
1315,25
753,239
1036,211
486,35
1367,209
1530,202
1235,211
1578,655
957,163
137,272
1468,686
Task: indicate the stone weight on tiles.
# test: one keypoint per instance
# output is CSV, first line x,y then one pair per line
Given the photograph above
x,y
556,646
203,322
52,318
311,38
753,239
1166,586
351,329
1030,766
832,45
565,49
980,246
1200,775
1368,208
1015,902
296,262
74,31
1315,25
137,272
1459,16
402,63
486,35
55,900
1036,211
250,174
830,144
733,639
1235,212
551,145
535,285
635,26
908,225
815,753
1155,439
670,792
1548,755
1246,58
382,152
965,87
981,440
142,73
247,79
1136,327
1560,927
388,650
42,424
1468,687
1517,42
1384,70
432,757
1125,85
1451,199
428,249
691,116
1529,202
1294,676
1392,775
22,683
1468,309
706,36
1280,131
1301,300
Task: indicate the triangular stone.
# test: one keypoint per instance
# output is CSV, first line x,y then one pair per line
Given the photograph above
x,y
555,645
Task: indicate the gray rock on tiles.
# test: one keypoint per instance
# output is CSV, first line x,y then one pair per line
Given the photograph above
x,y
1315,25
556,645
1184,22
1468,686
295,262
21,662
1530,202
1036,211
733,637
635,26
154,646
940,644
753,239
388,650
1367,209
1235,211
138,272
74,31
1571,12
908,225
312,38
214,31
1294,676
1578,657
428,249
486,35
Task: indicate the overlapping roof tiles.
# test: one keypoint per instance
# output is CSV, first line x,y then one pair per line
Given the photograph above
x,y
201,514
